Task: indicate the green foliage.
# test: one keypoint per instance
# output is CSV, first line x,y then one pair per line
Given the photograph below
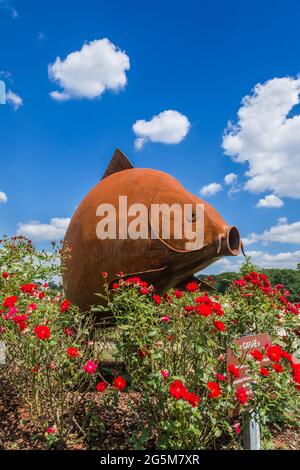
x,y
184,337
171,352
38,329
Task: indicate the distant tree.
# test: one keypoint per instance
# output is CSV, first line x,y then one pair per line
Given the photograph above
x,y
290,278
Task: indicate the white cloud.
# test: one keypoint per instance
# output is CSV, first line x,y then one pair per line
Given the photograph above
x,y
270,201
280,233
59,96
41,36
285,260
267,137
6,5
5,74
15,100
231,178
98,66
249,240
210,189
3,197
282,220
37,231
168,127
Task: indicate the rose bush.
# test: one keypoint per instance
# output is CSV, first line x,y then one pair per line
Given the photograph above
x,y
47,340
174,348
172,351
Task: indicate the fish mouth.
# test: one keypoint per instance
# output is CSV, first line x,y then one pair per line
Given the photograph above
x,y
229,242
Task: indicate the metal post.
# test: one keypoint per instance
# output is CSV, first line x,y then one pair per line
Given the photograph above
x,y
251,433
2,352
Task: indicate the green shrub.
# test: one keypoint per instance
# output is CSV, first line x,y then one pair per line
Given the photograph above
x,y
174,348
171,354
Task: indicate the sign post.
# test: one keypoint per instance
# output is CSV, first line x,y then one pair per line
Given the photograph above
x,y
246,344
251,433
2,352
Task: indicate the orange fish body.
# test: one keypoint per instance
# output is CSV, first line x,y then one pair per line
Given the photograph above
x,y
164,262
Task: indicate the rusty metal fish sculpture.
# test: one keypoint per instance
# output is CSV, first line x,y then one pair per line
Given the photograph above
x,y
164,261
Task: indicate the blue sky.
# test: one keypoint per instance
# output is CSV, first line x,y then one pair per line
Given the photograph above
x,y
197,58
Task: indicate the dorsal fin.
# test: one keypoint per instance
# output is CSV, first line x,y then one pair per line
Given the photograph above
x,y
119,162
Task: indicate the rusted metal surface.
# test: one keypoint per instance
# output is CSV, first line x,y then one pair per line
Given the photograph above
x,y
164,263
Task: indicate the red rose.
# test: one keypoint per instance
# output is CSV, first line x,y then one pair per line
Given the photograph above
x,y
165,319
257,354
286,356
28,288
72,352
296,374
204,310
192,286
177,389
31,308
21,321
237,428
157,299
42,332
264,371
64,306
190,308
90,367
278,368
241,395
51,430
177,294
101,386
192,398
143,284
203,299
234,370
215,389
217,309
10,301
221,377
240,282
219,325
144,291
115,285
164,373
5,275
274,353
120,383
